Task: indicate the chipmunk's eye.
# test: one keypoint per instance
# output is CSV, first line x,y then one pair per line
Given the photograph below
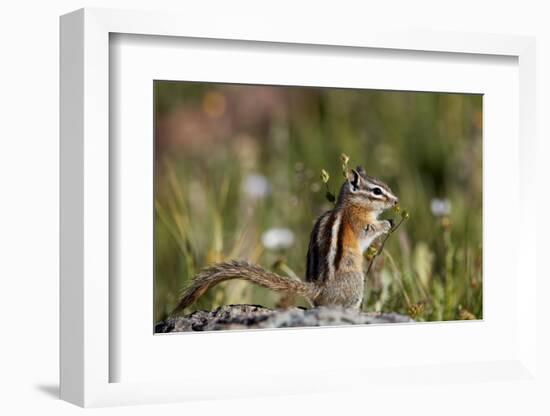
x,y
377,191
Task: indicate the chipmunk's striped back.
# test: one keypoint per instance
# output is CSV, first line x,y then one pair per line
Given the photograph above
x,y
322,247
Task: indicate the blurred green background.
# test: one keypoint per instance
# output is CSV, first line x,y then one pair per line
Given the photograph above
x,y
238,176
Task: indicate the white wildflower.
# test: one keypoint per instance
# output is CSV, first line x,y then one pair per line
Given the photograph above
x,y
315,187
256,186
440,207
277,238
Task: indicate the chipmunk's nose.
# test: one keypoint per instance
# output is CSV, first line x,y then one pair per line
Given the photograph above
x,y
395,202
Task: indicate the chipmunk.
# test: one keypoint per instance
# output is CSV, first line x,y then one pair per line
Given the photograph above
x,y
334,275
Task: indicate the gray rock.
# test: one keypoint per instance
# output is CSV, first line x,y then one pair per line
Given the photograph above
x,y
253,316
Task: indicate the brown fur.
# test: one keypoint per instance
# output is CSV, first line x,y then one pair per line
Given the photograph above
x,y
235,269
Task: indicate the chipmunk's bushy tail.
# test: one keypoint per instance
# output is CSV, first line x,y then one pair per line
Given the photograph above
x,y
235,269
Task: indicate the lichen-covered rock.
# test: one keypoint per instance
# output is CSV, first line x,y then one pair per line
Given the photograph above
x,y
253,316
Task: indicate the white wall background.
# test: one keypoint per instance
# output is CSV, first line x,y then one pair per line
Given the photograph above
x,y
29,116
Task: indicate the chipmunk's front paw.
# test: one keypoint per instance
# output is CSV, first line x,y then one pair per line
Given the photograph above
x,y
378,228
386,225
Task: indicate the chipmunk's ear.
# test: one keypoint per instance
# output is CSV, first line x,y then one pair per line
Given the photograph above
x,y
361,170
354,180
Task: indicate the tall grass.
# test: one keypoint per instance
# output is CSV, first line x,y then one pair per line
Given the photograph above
x,y
211,139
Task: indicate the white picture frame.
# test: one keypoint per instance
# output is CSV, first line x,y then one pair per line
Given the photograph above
x,y
87,302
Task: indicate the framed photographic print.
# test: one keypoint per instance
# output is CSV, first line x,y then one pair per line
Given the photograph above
x,y
227,197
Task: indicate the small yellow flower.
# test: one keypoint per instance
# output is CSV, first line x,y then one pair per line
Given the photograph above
x,y
466,315
416,310
324,176
405,214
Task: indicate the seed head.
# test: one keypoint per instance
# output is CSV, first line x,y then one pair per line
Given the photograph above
x,y
345,159
371,253
324,176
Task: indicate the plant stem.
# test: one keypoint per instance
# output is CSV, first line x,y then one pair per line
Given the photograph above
x,y
382,245
380,251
